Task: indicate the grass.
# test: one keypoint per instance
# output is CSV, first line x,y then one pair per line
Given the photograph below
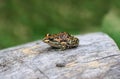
x,y
111,26
24,21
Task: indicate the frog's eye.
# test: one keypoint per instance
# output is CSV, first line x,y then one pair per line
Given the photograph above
x,y
51,39
48,34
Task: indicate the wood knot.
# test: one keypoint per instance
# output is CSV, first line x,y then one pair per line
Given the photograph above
x,y
60,65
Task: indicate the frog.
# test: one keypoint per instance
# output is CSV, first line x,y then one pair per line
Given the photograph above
x,y
62,40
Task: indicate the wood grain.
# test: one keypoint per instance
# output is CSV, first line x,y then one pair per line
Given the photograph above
x,y
96,57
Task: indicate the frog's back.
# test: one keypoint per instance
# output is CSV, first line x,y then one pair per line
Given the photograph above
x,y
63,36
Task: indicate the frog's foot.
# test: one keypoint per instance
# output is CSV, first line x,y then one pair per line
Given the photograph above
x,y
63,46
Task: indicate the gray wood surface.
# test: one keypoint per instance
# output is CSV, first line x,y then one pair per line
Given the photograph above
x,y
97,57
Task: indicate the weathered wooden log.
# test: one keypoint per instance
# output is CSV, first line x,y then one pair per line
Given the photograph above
x,y
96,57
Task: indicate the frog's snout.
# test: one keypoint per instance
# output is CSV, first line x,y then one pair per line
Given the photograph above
x,y
46,41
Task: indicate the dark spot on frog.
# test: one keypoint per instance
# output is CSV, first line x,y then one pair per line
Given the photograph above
x,y
51,39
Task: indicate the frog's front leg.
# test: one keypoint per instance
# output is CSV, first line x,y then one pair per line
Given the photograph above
x,y
63,46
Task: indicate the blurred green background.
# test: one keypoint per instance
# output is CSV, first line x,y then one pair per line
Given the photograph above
x,y
23,21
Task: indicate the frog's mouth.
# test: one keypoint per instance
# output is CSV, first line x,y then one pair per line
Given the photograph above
x,y
52,43
46,41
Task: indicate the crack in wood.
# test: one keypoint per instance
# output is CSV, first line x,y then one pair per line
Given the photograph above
x,y
41,71
103,58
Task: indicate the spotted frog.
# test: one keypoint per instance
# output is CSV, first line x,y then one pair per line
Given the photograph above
x,y
62,40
